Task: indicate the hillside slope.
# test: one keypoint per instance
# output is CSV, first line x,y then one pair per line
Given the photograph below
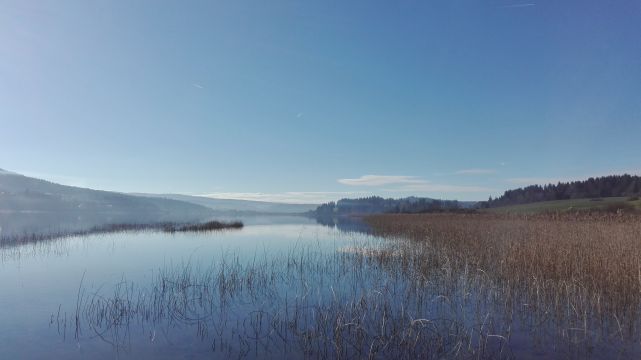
x,y
610,204
22,194
239,205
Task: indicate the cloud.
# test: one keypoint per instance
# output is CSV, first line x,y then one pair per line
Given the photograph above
x,y
443,188
198,86
299,115
383,185
292,197
405,184
475,172
379,180
534,181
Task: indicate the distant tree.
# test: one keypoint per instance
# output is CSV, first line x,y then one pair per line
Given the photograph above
x,y
375,204
607,186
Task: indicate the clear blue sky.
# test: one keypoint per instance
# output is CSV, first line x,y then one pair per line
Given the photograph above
x,y
301,100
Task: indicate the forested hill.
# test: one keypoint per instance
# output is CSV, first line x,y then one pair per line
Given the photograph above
x,y
377,205
607,186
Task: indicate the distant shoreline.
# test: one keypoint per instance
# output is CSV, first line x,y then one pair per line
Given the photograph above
x,y
167,227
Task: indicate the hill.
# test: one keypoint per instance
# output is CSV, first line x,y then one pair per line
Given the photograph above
x,y
22,194
240,206
600,187
611,204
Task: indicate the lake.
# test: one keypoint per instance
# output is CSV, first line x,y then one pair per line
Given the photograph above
x,y
281,287
39,280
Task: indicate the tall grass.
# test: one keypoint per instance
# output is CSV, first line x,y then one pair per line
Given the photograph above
x,y
26,237
446,286
576,273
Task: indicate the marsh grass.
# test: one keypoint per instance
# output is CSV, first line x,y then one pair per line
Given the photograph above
x,y
206,226
26,238
575,273
443,286
303,304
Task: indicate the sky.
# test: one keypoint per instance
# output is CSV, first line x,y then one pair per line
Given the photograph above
x,y
310,101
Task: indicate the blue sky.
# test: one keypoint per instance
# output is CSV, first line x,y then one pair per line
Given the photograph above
x,y
316,100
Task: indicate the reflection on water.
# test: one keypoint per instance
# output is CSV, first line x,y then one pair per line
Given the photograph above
x,y
41,224
344,223
282,287
43,278
13,224
37,226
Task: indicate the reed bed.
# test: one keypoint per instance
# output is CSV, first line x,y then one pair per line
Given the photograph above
x,y
26,237
206,226
303,304
575,275
443,286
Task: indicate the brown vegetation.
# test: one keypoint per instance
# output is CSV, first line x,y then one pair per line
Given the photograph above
x,y
443,286
18,239
578,271
206,226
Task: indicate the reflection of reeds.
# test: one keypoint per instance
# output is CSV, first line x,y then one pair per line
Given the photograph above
x,y
206,226
307,303
456,286
25,238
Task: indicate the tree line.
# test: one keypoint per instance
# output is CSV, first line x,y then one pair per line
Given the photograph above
x,y
599,187
378,205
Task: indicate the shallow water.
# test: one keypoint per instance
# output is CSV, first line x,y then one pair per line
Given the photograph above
x,y
39,279
293,288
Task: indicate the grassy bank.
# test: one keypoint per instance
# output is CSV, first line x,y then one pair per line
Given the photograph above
x,y
608,204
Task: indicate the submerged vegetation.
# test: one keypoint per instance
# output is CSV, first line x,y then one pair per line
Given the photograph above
x,y
305,304
442,286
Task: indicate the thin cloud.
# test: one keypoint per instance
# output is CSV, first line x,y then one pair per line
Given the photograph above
x,y
534,181
381,180
291,197
443,188
198,86
410,184
299,115
475,172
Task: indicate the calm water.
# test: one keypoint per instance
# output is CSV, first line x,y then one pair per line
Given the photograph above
x,y
288,287
38,280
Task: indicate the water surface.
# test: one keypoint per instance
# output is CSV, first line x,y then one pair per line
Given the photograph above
x,y
281,287
40,282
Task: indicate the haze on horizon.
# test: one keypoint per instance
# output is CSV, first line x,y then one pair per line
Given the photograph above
x,y
314,101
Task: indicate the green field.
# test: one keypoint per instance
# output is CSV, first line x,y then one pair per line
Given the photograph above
x,y
572,205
